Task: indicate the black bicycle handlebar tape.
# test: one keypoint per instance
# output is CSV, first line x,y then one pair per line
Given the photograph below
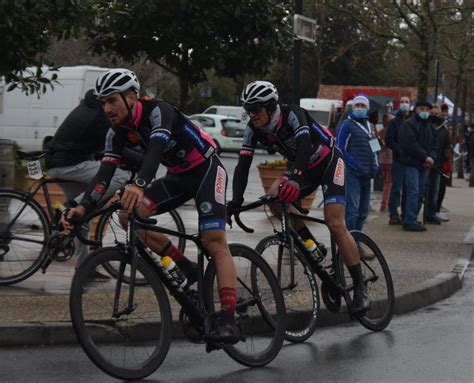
x,y
144,221
241,225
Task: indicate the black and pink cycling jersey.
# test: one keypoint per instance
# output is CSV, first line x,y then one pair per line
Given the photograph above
x,y
186,145
289,122
166,135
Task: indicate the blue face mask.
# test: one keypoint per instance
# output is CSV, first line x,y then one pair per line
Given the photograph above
x,y
405,107
359,112
424,115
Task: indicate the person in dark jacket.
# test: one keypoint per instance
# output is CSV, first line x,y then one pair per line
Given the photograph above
x,y
442,155
418,148
359,144
70,154
392,142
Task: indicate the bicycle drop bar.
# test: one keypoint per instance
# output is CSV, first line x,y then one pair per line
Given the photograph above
x,y
263,200
79,222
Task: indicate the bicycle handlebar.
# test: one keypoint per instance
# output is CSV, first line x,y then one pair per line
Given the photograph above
x,y
263,200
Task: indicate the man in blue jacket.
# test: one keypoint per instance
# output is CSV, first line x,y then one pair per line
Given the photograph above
x,y
359,145
418,148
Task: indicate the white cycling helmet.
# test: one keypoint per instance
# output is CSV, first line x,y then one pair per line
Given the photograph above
x,y
263,92
116,80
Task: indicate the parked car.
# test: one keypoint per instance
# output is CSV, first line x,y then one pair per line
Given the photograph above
x,y
226,131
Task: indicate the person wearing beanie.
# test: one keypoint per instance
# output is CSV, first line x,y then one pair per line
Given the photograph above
x,y
359,144
418,150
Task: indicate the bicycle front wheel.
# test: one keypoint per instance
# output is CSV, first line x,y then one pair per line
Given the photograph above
x,y
111,233
127,340
378,281
301,295
261,308
24,229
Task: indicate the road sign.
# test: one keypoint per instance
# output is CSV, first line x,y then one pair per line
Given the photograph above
x,y
304,28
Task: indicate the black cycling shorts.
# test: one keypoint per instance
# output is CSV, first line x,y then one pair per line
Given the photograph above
x,y
206,183
330,175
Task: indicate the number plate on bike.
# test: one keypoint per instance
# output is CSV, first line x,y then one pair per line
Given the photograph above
x,y
34,169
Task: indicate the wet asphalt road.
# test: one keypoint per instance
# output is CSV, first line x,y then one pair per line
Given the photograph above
x,y
432,345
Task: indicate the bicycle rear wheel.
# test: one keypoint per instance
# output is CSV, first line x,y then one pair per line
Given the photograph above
x,y
24,229
111,233
131,345
302,297
378,281
260,298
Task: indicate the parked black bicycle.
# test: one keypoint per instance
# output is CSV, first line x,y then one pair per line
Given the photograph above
x,y
125,327
28,233
288,257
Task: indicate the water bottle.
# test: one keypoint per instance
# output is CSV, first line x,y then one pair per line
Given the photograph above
x,y
178,277
311,246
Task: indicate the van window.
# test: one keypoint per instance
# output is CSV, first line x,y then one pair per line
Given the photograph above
x,y
320,116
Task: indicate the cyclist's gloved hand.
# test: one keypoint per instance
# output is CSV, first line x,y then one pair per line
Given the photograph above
x,y
289,190
232,207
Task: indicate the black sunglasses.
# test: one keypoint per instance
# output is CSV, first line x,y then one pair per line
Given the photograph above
x,y
253,108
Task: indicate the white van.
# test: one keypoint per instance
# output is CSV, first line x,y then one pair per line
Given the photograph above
x,y
31,121
233,111
325,111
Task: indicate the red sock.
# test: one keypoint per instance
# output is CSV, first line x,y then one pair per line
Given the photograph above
x,y
172,251
228,298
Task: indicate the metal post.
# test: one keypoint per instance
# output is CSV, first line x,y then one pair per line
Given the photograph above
x,y
297,58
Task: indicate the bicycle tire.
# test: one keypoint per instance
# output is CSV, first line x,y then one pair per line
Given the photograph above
x,y
270,335
23,245
110,233
302,301
378,281
109,341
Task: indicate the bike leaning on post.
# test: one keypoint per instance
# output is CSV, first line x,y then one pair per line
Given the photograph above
x,y
289,259
125,327
29,237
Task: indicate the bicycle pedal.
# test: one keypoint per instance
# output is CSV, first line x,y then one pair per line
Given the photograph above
x,y
213,347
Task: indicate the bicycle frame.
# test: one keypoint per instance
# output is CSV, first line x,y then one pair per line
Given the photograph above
x,y
290,235
134,250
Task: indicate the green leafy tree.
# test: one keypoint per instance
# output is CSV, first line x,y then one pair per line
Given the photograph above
x,y
187,38
27,28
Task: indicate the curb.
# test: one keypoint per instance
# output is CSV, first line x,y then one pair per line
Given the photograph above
x,y
424,294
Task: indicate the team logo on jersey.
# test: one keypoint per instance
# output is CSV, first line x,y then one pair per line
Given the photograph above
x,y
339,173
205,207
219,189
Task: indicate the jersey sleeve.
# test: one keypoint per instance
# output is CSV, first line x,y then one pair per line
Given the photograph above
x,y
162,120
298,122
249,143
114,144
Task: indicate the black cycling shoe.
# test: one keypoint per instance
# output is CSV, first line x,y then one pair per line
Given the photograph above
x,y
225,331
360,302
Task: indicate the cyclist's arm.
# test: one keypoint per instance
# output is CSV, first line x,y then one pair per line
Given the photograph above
x,y
241,173
100,183
162,119
299,124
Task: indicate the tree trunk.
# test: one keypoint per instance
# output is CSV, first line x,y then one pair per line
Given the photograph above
x,y
423,75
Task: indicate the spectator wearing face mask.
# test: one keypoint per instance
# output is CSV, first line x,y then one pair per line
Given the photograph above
x,y
359,144
436,173
418,148
392,142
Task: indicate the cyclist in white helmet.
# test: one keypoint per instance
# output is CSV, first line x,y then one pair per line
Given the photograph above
x,y
313,160
194,171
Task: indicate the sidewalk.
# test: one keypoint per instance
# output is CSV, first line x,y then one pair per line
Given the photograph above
x,y
426,267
